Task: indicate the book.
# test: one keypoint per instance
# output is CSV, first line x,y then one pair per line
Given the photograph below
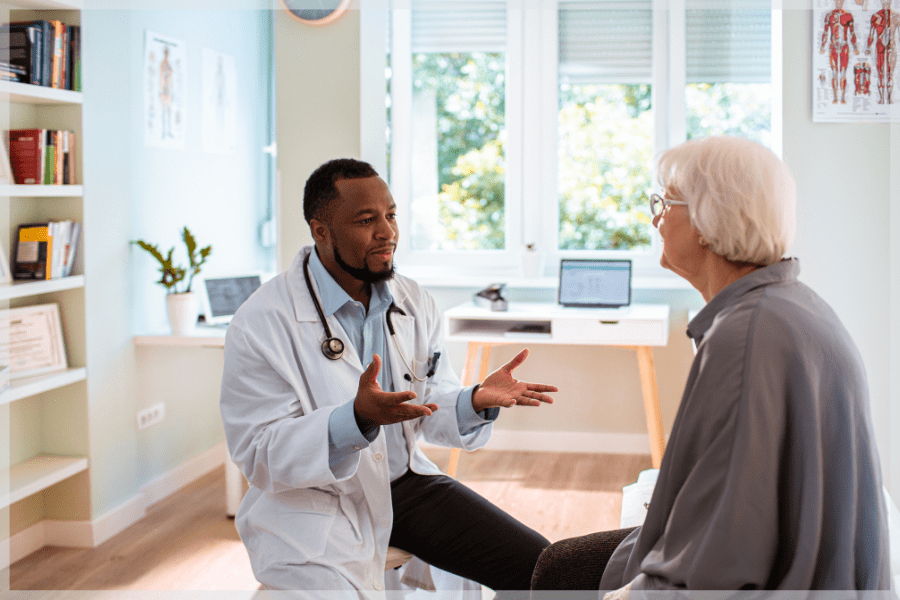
x,y
5,273
6,176
64,59
20,39
49,157
26,155
33,251
57,56
75,57
46,35
71,247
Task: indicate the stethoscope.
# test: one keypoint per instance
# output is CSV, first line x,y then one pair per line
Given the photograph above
x,y
333,347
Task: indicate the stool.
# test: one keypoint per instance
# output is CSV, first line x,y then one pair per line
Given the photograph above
x,y
396,558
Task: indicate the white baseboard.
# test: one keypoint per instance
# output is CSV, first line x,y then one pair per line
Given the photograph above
x,y
565,441
22,544
168,483
569,441
90,534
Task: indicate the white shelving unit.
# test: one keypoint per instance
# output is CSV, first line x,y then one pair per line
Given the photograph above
x,y
37,474
48,412
24,289
42,191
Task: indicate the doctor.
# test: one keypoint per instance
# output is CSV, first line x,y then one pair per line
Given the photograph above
x,y
333,370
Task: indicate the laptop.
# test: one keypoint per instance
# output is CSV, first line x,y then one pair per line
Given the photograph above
x,y
222,296
595,283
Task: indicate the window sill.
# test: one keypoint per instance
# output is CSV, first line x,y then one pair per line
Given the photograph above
x,y
432,280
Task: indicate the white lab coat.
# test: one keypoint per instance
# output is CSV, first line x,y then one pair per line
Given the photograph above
x,y
305,527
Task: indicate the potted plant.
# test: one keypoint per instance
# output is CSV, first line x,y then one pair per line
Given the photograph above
x,y
181,302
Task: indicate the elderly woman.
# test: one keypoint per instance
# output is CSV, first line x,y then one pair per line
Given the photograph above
x,y
771,477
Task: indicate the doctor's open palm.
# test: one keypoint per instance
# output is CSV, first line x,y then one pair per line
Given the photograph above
x,y
375,406
500,388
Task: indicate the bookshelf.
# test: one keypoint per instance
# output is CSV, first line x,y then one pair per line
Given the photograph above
x,y
45,475
11,91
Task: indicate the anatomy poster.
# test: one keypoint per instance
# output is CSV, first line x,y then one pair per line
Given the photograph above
x,y
164,102
219,100
855,47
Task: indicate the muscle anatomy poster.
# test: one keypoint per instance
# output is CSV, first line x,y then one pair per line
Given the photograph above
x,y
855,47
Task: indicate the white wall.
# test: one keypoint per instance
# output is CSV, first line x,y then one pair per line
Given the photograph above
x,y
847,182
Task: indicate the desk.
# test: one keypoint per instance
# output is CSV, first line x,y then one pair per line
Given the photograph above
x,y
638,327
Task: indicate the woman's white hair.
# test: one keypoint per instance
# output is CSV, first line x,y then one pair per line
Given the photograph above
x,y
741,197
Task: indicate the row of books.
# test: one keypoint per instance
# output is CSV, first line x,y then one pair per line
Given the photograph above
x,y
42,52
41,156
45,250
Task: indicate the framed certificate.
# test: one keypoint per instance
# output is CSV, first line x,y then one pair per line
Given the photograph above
x,y
35,340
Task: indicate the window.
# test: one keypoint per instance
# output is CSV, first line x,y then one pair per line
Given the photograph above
x,y
605,142
728,64
514,127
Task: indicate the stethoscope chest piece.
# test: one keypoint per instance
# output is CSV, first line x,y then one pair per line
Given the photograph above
x,y
333,348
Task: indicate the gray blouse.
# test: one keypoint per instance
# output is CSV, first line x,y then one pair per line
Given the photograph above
x,y
771,478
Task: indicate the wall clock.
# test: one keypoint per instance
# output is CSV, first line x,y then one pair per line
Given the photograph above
x,y
315,12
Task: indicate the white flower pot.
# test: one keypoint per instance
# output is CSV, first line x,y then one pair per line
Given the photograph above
x,y
532,263
182,312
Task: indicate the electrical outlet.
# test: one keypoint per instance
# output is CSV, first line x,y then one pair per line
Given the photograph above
x,y
151,416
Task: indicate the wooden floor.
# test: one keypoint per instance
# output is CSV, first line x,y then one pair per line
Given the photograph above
x,y
187,543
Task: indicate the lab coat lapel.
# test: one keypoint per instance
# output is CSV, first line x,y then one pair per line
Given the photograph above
x,y
404,328
305,312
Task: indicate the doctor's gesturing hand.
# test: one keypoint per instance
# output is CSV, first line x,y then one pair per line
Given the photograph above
x,y
500,388
374,406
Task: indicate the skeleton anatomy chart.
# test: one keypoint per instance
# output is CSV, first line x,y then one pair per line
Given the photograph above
x,y
855,46
164,65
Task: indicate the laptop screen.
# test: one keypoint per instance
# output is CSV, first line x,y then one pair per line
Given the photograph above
x,y
224,295
595,283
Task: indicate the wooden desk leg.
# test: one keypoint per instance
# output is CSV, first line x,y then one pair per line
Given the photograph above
x,y
478,360
235,486
651,404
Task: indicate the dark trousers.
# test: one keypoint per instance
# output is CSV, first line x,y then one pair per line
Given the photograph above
x,y
449,526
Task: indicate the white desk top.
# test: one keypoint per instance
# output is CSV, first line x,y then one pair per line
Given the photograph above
x,y
550,323
541,311
201,337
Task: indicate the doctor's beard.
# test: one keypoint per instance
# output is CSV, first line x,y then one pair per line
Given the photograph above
x,y
365,274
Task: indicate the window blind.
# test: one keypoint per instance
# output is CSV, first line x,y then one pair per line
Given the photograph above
x,y
460,26
605,42
724,45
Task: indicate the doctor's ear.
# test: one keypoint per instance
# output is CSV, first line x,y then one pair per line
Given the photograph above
x,y
319,230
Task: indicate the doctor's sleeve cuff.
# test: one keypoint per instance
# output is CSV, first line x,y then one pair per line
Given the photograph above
x,y
344,437
466,416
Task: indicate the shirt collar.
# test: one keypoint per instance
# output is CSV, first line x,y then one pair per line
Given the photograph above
x,y
332,296
784,271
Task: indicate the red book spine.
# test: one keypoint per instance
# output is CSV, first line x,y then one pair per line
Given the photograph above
x,y
25,155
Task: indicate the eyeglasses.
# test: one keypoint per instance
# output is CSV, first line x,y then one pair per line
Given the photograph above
x,y
658,204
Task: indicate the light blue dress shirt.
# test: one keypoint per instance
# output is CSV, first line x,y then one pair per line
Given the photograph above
x,y
366,333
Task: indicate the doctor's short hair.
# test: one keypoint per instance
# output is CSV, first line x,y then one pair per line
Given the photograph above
x,y
320,189
741,197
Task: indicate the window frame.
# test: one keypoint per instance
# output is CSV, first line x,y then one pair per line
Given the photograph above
x,y
531,150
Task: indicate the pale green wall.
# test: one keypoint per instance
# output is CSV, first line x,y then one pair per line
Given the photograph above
x,y
136,192
318,111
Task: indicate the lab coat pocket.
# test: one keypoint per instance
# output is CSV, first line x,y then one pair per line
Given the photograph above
x,y
307,534
295,526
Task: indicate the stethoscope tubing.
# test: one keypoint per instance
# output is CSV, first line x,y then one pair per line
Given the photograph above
x,y
333,347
